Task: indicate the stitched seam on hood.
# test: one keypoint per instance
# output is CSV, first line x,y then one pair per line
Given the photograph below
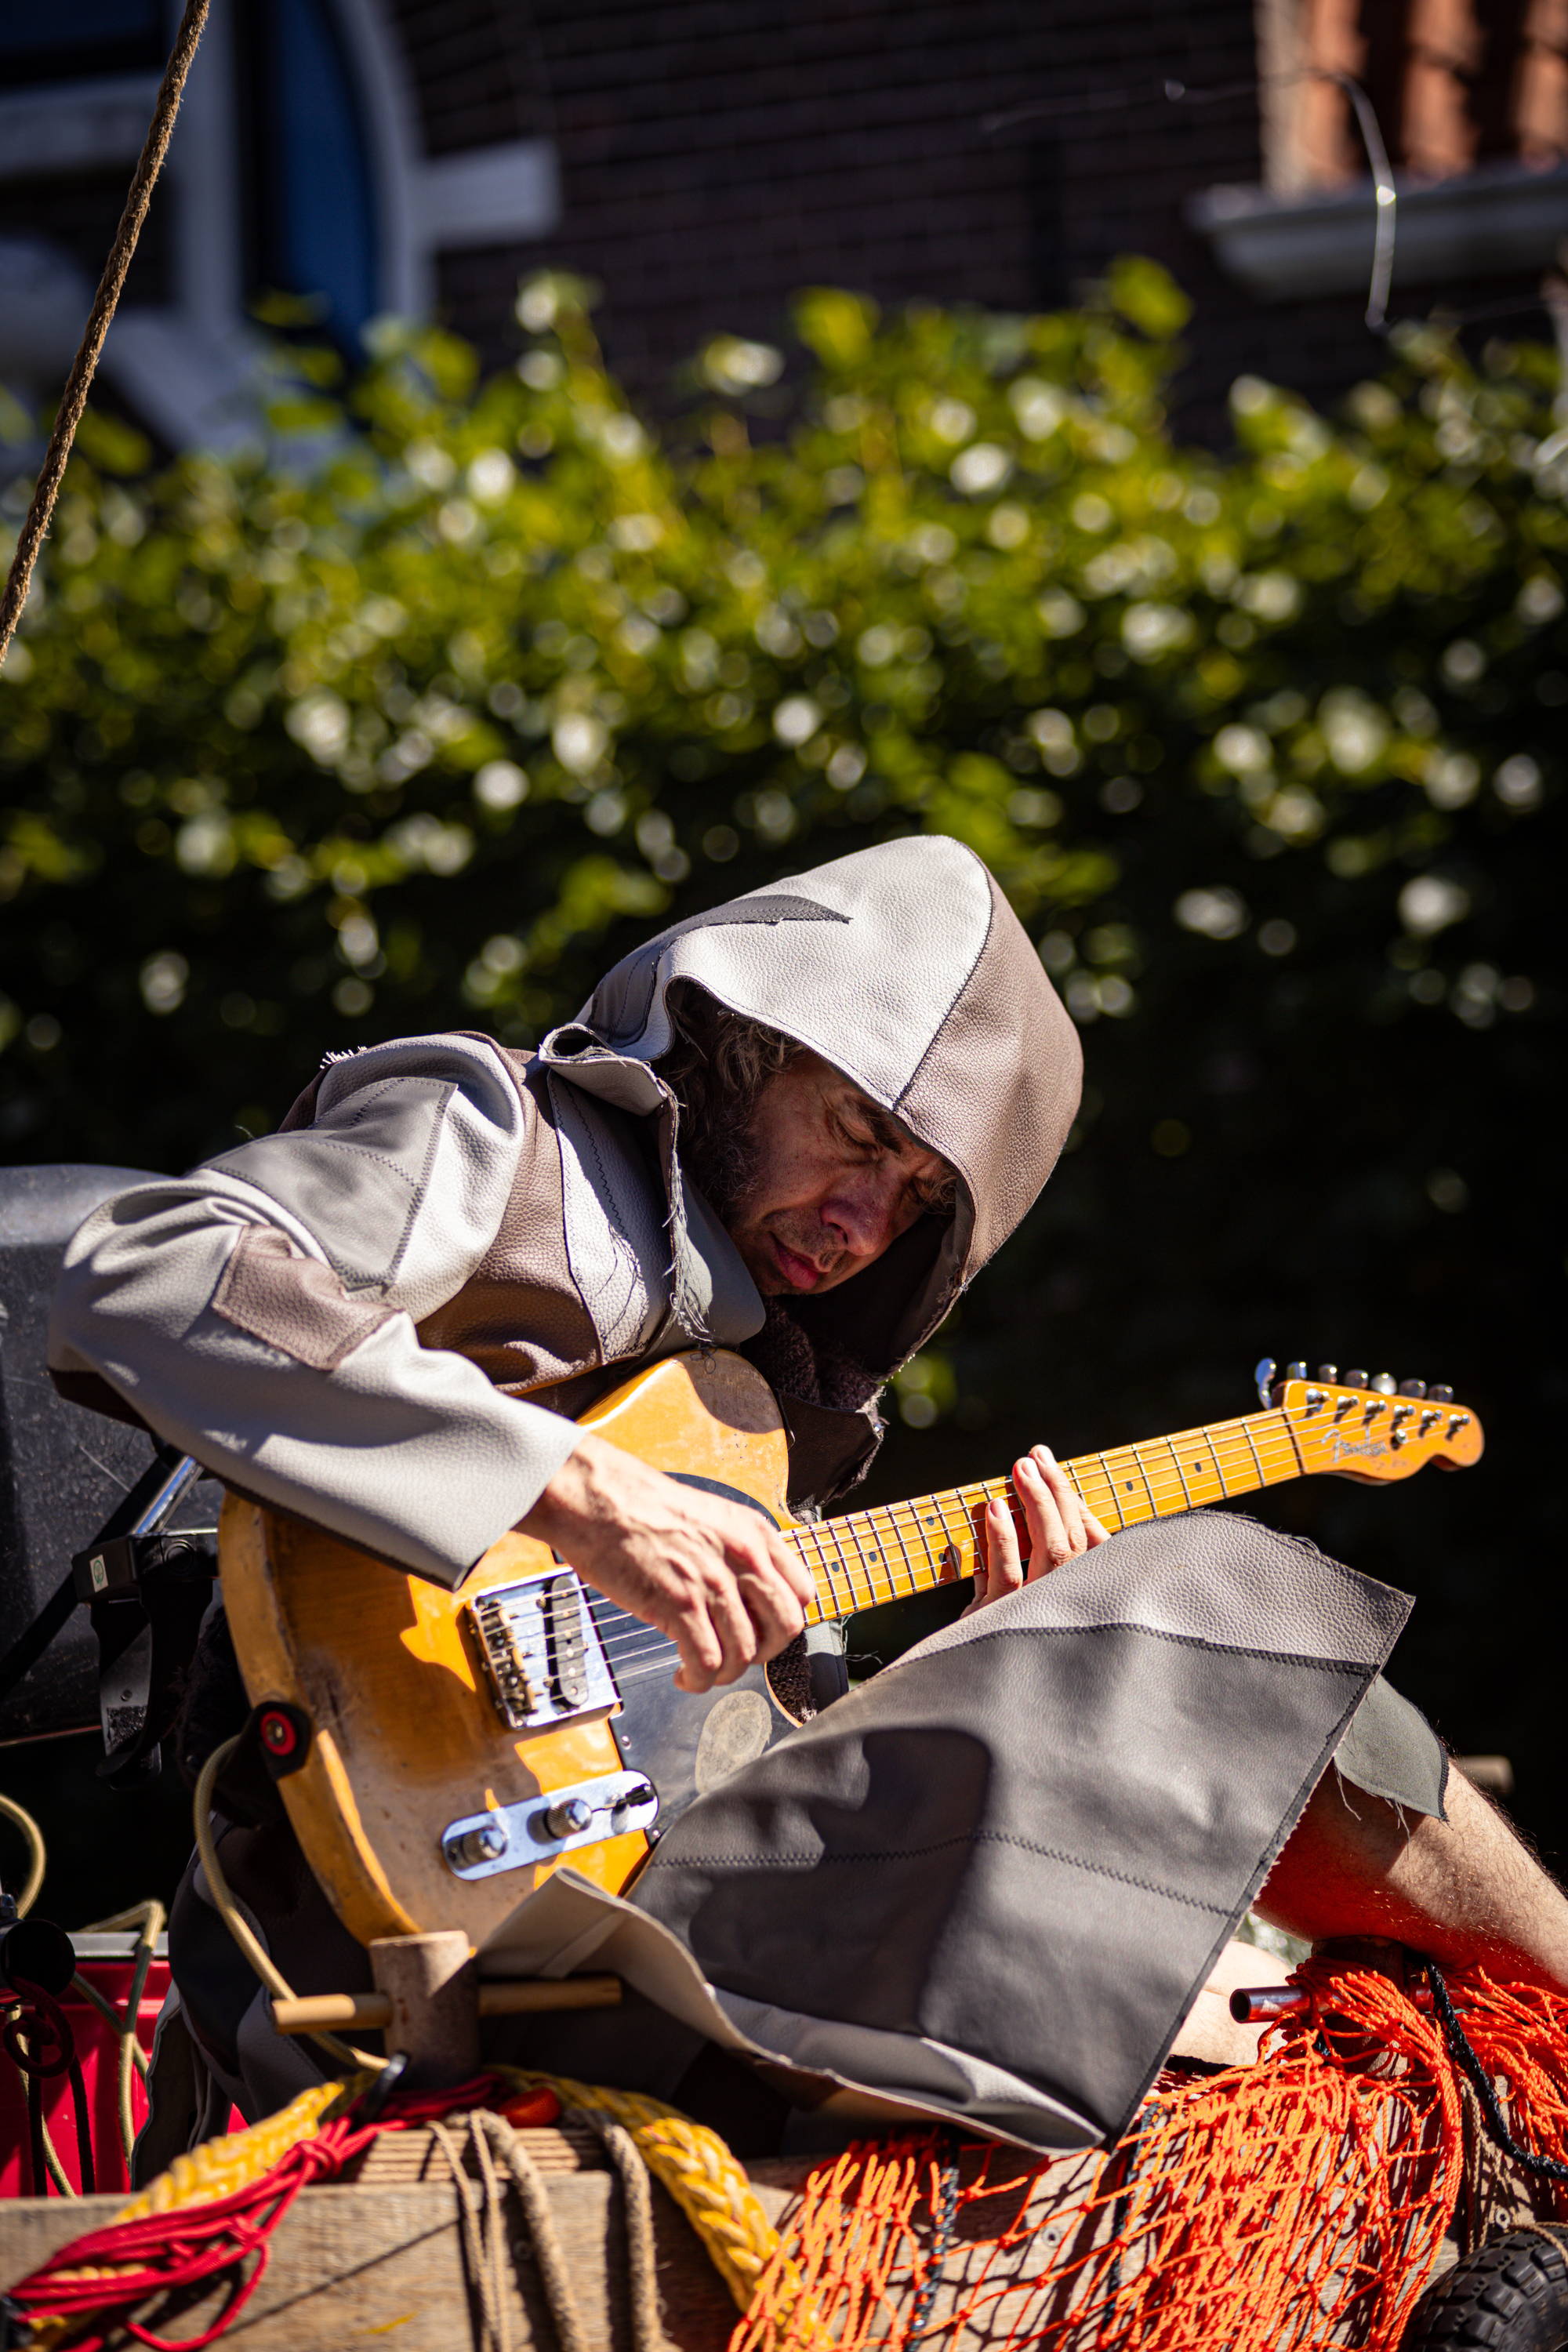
x,y
992,888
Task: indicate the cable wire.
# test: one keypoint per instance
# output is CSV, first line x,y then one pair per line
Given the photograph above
x,y
238,1926
37,1851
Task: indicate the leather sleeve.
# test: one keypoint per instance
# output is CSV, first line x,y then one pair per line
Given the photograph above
x,y
260,1311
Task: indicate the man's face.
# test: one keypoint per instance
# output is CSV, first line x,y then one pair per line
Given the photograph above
x,y
834,1181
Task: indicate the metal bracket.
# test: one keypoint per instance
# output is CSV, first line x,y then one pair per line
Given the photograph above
x,y
478,1845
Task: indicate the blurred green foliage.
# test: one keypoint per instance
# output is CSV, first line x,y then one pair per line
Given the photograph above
x,y
422,714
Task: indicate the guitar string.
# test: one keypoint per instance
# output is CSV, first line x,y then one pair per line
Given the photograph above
x,y
870,1563
908,1515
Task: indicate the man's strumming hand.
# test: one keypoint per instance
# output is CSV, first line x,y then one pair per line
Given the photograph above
x,y
713,1575
1059,1527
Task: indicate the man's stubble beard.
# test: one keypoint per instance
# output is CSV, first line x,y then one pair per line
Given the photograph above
x,y
727,1171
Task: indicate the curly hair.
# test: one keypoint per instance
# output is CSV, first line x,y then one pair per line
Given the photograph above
x,y
717,1066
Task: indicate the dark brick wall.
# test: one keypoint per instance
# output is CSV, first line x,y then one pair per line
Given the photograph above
x,y
80,214
715,158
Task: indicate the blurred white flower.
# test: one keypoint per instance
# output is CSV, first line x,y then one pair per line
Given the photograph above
x,y
1149,630
985,466
798,718
500,785
579,742
321,723
1429,904
163,980
1219,913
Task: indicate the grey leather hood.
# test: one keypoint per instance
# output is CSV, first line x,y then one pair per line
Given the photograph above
x,y
906,968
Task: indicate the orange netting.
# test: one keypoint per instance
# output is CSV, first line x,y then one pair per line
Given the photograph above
x,y
1290,2206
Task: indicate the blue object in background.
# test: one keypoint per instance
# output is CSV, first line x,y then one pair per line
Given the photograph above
x,y
315,212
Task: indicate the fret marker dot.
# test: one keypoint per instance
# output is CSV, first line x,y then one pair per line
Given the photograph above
x,y
1130,1485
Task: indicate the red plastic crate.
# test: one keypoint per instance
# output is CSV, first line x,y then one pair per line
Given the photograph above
x,y
105,1963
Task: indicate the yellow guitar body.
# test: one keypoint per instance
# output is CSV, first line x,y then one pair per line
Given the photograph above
x,y
405,1734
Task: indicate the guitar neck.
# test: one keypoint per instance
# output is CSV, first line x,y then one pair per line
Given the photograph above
x,y
863,1558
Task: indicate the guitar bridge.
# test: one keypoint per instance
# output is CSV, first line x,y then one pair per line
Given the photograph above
x,y
542,1653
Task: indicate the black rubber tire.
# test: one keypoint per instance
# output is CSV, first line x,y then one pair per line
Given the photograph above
x,y
1511,2296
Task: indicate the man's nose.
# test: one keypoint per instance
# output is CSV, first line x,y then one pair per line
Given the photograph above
x,y
863,1208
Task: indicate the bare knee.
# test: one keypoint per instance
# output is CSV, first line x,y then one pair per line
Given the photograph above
x,y
1464,1891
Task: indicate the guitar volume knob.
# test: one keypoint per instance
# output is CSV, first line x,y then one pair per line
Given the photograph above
x,y
475,1846
570,1818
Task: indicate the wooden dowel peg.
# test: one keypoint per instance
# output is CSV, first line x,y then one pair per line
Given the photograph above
x,y
431,1986
371,2012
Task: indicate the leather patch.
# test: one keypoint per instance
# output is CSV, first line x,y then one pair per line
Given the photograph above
x,y
293,1302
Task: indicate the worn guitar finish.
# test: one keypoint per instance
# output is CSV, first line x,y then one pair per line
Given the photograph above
x,y
463,1744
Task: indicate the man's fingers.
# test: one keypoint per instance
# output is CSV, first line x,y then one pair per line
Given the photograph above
x,y
1095,1529
1002,1566
791,1565
1058,1523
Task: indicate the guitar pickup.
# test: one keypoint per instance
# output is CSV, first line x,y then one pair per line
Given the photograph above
x,y
543,1660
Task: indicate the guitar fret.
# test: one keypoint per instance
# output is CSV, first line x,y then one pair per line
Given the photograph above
x,y
892,1517
1143,1474
1110,1509
956,1550
1213,1450
1171,1449
924,1523
1245,1428
827,1565
869,1565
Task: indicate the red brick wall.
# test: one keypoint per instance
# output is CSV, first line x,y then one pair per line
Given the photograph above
x,y
715,158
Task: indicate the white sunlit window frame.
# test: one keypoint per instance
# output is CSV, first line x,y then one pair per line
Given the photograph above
x,y
189,367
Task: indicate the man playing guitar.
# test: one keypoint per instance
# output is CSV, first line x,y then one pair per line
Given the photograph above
x,y
795,1125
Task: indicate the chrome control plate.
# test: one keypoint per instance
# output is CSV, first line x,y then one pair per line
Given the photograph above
x,y
479,1846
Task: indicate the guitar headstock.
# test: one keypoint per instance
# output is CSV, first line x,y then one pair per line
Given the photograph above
x,y
1373,1430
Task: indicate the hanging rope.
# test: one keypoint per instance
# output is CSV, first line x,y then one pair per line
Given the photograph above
x,y
110,287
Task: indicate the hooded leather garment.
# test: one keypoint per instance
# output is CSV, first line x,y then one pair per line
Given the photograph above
x,y
380,1318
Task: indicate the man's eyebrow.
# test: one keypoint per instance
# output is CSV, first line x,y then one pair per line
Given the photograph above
x,y
885,1126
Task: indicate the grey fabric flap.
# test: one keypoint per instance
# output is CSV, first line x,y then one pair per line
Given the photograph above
x,y
1028,1842
571,1927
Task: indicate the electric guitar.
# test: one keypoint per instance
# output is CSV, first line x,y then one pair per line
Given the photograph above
x,y
440,1753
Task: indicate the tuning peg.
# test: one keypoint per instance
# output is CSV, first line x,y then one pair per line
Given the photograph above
x,y
1413,1388
1263,1373
1328,1372
1439,1396
1295,1371
1357,1380
1383,1383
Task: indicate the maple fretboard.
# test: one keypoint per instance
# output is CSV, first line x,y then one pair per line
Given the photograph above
x,y
862,1557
